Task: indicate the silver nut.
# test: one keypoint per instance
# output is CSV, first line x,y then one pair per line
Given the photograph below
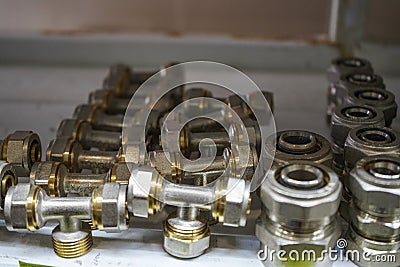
x,y
243,160
369,141
297,242
292,145
374,184
85,112
372,249
186,239
142,181
349,116
68,128
110,200
8,179
15,207
345,65
22,149
301,191
375,97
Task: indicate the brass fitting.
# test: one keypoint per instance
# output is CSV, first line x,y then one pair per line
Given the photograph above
x,y
75,158
27,207
22,149
83,132
98,118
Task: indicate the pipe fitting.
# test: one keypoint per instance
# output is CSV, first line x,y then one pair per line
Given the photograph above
x,y
22,149
98,118
8,178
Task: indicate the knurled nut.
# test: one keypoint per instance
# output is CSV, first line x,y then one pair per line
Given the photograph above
x,y
30,206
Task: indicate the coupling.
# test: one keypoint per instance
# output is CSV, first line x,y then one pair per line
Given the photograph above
x,y
83,132
55,179
27,207
293,145
22,149
375,97
300,206
367,141
71,153
374,184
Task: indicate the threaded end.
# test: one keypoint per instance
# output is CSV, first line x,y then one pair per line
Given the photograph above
x,y
73,248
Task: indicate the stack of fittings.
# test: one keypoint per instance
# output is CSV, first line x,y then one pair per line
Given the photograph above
x,y
90,182
86,184
366,153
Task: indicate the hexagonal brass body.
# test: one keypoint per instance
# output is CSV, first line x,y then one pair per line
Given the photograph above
x,y
22,149
27,207
301,202
75,158
8,178
55,179
293,145
83,132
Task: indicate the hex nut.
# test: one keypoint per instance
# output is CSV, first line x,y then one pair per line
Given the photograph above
x,y
15,207
85,112
69,128
366,141
49,176
298,242
22,149
345,65
357,242
141,189
109,209
375,97
374,185
120,173
349,116
313,193
292,145
66,151
186,239
235,201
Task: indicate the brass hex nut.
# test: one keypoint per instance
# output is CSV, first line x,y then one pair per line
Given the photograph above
x,y
109,207
22,149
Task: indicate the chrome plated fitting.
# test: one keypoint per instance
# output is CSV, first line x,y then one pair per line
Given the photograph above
x,y
366,141
22,149
375,97
75,158
301,202
27,207
293,145
83,132
375,208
